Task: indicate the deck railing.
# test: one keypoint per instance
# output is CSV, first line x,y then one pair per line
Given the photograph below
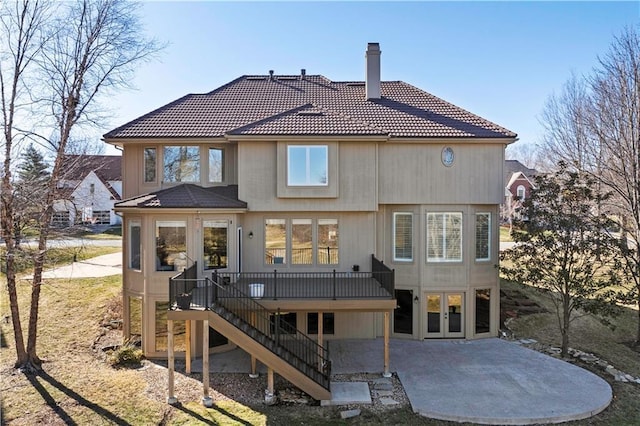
x,y
385,276
269,330
333,285
253,319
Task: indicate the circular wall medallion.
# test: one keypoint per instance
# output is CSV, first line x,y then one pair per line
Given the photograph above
x,y
447,156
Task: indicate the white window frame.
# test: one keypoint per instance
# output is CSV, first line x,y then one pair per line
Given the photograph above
x,y
316,223
522,189
395,247
488,215
444,238
169,224
308,178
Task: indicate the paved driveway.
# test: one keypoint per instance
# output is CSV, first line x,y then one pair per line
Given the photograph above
x,y
488,381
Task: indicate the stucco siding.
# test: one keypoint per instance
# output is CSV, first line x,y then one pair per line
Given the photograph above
x,y
414,173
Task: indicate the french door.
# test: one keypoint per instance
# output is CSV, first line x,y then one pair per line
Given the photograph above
x,y
445,315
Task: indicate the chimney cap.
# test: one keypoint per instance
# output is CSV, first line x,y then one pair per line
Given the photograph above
x,y
303,73
270,74
373,46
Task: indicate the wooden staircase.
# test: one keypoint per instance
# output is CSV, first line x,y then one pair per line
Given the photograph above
x,y
276,356
278,345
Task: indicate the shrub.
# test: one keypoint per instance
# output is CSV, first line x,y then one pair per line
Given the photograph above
x,y
127,355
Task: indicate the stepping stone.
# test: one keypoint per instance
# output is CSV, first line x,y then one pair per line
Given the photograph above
x,y
388,401
346,393
347,414
383,387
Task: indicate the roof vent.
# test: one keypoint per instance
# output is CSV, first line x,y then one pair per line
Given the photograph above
x,y
303,74
311,113
270,74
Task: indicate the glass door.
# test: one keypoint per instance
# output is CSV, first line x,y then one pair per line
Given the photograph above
x,y
403,314
445,315
434,316
454,315
215,244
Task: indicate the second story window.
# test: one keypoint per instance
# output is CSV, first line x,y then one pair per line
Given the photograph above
x,y
483,236
402,237
149,165
307,165
215,165
444,237
181,164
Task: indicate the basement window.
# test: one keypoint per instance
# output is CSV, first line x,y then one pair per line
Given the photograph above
x,y
328,323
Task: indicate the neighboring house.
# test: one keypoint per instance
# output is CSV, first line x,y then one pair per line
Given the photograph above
x,y
519,181
88,190
354,209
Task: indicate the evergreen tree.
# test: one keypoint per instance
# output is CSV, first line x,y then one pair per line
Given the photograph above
x,y
562,248
29,190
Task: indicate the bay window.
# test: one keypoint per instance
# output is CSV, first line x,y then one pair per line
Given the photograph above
x,y
444,237
149,165
216,161
403,237
483,236
171,245
181,164
135,245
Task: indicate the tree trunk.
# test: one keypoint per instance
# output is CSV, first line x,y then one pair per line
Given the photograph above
x,y
8,227
566,317
638,335
21,354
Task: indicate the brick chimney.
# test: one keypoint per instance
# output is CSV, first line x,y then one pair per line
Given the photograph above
x,y
372,76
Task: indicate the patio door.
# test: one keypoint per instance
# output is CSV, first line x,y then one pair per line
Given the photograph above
x,y
445,315
215,244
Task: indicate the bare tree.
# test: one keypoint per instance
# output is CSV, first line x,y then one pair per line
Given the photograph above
x,y
595,126
93,49
21,29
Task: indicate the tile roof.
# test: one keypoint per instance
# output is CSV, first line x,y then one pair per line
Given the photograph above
x,y
291,105
188,196
107,167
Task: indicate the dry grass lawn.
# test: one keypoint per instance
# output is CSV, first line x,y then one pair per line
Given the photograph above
x,y
78,387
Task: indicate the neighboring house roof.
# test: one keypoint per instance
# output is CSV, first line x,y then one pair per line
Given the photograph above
x,y
313,105
519,176
513,166
188,196
107,167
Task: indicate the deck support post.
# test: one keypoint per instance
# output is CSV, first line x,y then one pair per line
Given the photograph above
x,y
269,393
387,319
206,399
320,339
254,360
171,398
187,355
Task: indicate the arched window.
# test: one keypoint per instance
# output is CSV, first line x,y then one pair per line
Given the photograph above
x,y
520,192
